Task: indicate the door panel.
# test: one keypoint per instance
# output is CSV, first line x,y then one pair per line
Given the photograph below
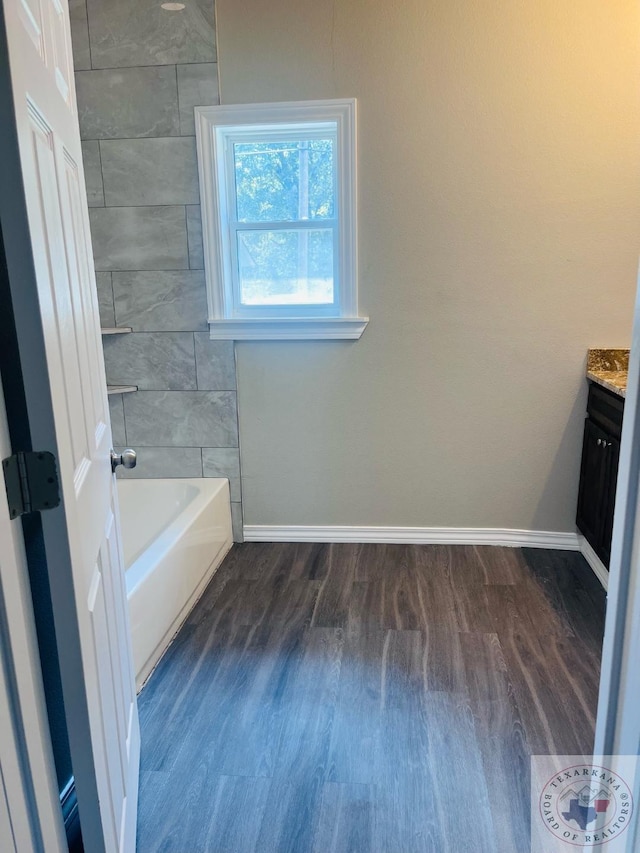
x,y
103,665
68,415
84,310
116,598
92,408
30,12
53,275
62,60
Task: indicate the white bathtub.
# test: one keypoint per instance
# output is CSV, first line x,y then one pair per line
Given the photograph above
x,y
175,534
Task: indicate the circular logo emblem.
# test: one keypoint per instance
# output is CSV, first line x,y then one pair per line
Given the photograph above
x,y
586,805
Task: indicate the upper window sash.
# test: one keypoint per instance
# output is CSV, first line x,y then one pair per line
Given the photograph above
x,y
229,137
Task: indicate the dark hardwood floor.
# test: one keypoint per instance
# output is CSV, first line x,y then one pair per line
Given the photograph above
x,y
368,699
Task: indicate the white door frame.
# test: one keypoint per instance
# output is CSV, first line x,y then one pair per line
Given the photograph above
x,y
618,719
30,814
45,234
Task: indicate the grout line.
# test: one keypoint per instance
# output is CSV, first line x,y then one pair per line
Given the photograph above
x,y
151,271
86,9
195,359
142,206
183,390
137,65
235,365
139,138
216,44
113,299
185,269
186,231
164,332
104,198
178,101
183,447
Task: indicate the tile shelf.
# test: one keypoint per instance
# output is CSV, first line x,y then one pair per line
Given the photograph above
x,y
119,330
121,389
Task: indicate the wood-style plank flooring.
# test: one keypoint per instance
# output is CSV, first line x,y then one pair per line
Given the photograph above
x,y
368,699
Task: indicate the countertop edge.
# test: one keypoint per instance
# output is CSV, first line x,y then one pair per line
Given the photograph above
x,y
605,383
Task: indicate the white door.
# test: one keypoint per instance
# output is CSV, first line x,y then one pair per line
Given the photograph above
x,y
27,773
63,369
618,721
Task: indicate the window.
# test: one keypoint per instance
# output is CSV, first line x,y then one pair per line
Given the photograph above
x,y
278,193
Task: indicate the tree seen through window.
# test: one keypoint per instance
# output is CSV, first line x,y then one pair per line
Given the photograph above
x,y
281,185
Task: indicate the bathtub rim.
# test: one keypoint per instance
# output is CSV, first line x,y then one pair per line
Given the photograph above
x,y
207,488
161,551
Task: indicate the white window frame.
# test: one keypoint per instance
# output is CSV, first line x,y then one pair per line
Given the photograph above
x,y
217,128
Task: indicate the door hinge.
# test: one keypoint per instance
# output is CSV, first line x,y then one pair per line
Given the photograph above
x,y
31,481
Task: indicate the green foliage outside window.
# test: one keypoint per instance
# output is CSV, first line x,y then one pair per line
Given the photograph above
x,y
285,182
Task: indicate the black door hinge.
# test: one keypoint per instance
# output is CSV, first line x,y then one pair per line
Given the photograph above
x,y
31,481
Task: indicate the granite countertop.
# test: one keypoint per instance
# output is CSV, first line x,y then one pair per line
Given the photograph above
x,y
608,367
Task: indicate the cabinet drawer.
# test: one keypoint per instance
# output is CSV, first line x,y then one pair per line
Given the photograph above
x,y
606,410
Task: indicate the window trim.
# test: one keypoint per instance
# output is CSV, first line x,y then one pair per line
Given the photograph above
x,y
214,126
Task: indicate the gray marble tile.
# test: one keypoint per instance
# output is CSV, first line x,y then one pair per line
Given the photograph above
x,y
127,102
236,522
161,301
158,462
194,233
139,238
105,299
116,411
181,419
215,364
223,462
79,34
197,87
93,173
149,171
154,361
143,33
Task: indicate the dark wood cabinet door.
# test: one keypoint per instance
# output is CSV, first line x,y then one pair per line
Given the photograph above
x,y
590,516
612,454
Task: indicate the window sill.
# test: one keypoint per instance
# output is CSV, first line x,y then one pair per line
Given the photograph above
x,y
290,329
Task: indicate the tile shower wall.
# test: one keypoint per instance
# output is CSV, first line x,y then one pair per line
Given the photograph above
x,y
140,70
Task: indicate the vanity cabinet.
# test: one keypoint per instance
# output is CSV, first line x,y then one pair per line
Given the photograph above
x,y
599,469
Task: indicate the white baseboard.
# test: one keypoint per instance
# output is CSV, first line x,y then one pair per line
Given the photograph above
x,y
431,536
599,569
414,536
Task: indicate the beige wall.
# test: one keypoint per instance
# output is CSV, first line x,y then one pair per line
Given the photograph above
x,y
499,239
